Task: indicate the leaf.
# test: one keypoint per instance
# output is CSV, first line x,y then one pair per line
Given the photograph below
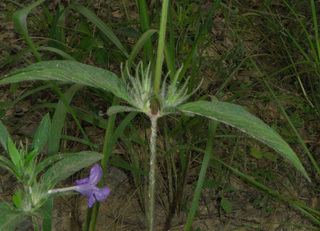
x,y
15,155
9,217
66,167
17,198
236,116
58,52
47,162
4,136
70,72
103,27
20,17
20,24
226,205
118,109
46,213
144,38
212,128
7,164
41,136
118,132
58,120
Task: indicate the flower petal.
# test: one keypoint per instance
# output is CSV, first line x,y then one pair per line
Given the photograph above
x,y
91,200
102,194
82,181
95,174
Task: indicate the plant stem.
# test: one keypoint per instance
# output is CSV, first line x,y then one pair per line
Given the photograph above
x,y
152,171
94,216
161,45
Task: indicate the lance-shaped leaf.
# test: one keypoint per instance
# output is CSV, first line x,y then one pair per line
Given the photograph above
x,y
41,136
236,116
58,119
103,27
118,109
66,167
70,72
15,156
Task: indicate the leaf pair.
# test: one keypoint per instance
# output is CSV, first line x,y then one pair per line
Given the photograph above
x,y
230,114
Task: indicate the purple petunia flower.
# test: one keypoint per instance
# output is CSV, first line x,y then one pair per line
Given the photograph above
x,y
88,186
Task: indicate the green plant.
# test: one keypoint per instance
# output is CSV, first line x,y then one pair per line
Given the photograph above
x,y
36,177
140,96
149,92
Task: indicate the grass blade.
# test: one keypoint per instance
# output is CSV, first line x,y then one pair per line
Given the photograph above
x,y
58,120
144,38
57,51
103,27
204,166
161,46
145,26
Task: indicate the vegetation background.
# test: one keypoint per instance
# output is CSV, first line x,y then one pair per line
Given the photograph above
x,y
261,54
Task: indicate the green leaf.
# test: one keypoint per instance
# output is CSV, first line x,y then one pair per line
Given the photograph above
x,y
58,52
145,37
20,17
226,205
17,198
66,167
4,136
46,213
58,119
145,25
236,116
15,155
20,24
47,162
9,217
118,109
202,174
70,72
103,27
7,164
41,136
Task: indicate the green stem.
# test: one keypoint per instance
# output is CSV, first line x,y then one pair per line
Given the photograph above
x,y
144,23
88,219
94,216
152,171
161,45
203,171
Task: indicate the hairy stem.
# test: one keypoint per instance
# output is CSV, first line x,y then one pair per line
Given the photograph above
x,y
152,171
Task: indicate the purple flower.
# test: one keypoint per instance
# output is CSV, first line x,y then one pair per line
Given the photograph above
x,y
88,186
